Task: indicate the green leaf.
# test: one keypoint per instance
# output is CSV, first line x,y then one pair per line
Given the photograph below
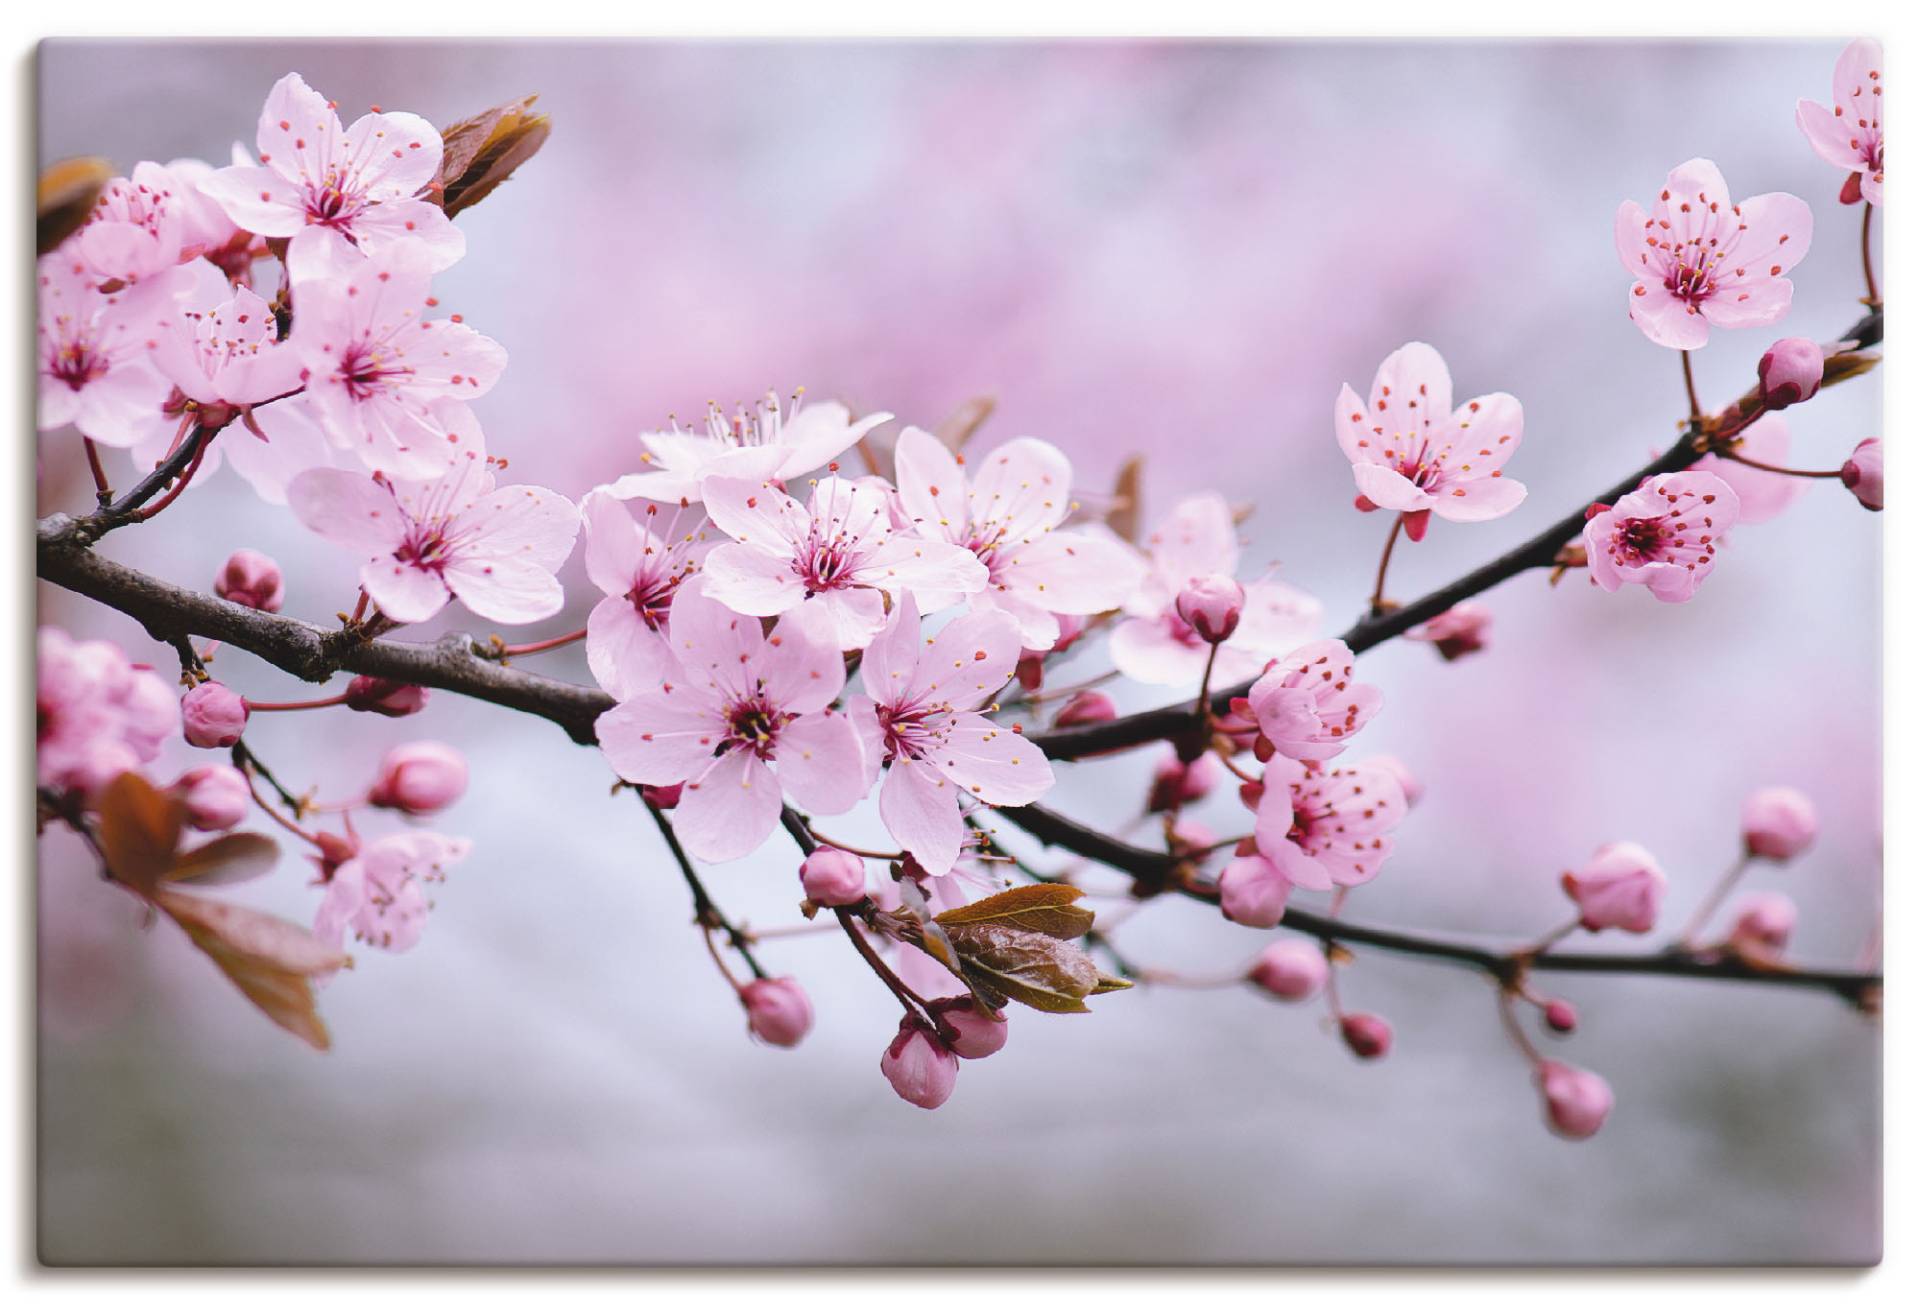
x,y
1037,907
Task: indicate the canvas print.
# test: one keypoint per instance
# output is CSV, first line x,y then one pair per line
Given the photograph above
x,y
1116,652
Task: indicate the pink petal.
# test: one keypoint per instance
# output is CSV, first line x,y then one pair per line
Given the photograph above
x,y
403,592
510,590
821,763
1390,489
753,582
992,763
258,200
757,513
347,507
932,488
661,736
920,809
625,654
393,155
730,810
1479,500
1664,319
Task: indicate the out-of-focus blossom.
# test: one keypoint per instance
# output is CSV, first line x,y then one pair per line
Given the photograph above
x,y
339,194
94,368
1156,646
639,567
1864,475
1308,703
1847,133
1410,785
832,877
1560,1016
1665,534
1790,372
216,797
1763,495
1177,782
1778,823
386,382
136,229
98,716
967,1032
1328,828
1577,1101
839,553
1293,969
219,344
762,444
1009,515
387,697
1700,259
778,1011
1031,670
1211,604
419,778
743,721
1413,451
213,715
205,228
251,579
1460,629
455,537
918,1065
1087,707
1620,887
379,894
1367,1035
1254,892
921,716
1763,923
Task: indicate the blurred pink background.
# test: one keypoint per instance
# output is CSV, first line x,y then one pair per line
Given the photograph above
x,y
1176,249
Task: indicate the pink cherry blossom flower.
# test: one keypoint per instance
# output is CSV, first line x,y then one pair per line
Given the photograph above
x,y
1308,703
762,444
1413,451
1620,887
1009,514
839,552
98,715
1763,494
456,537
380,372
639,567
1848,134
921,716
218,344
742,721
1156,646
136,228
380,893
1665,534
213,715
339,194
1702,259
1327,828
95,366
1457,631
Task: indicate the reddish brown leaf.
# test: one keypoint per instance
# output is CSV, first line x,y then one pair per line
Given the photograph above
x,y
68,190
271,961
484,150
1041,972
234,858
1037,907
140,829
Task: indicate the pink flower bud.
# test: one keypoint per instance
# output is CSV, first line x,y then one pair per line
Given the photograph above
x,y
1362,503
919,1068
1292,969
251,579
1763,923
1190,838
1211,604
1254,892
1577,1101
1175,782
1560,1016
967,1032
215,797
663,798
1367,1035
1415,524
1410,786
1086,708
1863,474
1778,823
834,877
1620,887
778,1011
419,778
335,851
213,715
1790,372
385,696
1456,631
1031,670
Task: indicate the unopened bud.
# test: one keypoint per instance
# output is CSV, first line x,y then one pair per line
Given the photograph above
x,y
1254,892
778,1011
419,778
251,579
1790,372
213,715
1763,923
1087,707
833,877
387,697
1292,969
1864,475
1367,1035
1560,1016
918,1065
215,797
1577,1101
1620,887
1778,823
1456,631
967,1032
1212,604
1177,782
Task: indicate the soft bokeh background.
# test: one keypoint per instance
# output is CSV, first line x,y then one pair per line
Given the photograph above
x,y
1179,249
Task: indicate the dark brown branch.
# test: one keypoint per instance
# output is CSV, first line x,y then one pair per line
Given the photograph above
x,y
705,912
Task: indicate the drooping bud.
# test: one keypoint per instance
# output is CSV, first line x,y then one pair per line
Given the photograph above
x,y
967,1032
387,697
661,798
1367,1035
1620,888
1254,892
1863,474
1292,969
778,1011
1456,631
1577,1101
1560,1016
1177,782
419,778
215,797
1790,372
1211,604
1778,823
251,579
1087,707
918,1066
213,715
1362,503
833,877
1763,924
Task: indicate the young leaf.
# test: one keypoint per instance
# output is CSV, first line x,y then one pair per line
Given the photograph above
x,y
1037,907
234,858
271,961
482,151
67,192
1041,972
140,829
1123,513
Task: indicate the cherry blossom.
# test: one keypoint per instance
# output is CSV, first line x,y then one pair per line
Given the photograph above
x,y
1864,474
839,553
1577,1101
137,227
921,716
1009,515
98,714
382,375
1700,259
251,579
639,567
1665,534
743,720
1156,646
1847,134
338,193
1457,631
96,371
1327,828
268,448
1619,887
220,344
456,537
762,444
1778,823
1413,451
1308,703
380,893
778,1011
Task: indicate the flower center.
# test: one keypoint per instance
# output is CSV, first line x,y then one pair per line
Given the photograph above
x,y
426,547
1689,282
75,364
1640,540
754,724
914,731
363,369
329,205
652,596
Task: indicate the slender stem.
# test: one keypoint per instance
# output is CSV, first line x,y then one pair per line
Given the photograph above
x,y
1866,255
103,492
1203,707
912,1001
705,912
1508,1020
245,759
1693,397
336,700
1722,886
1376,604
544,645
152,510
850,849
1733,456
1548,942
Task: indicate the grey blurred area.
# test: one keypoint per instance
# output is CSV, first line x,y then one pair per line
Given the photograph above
x,y
1182,249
